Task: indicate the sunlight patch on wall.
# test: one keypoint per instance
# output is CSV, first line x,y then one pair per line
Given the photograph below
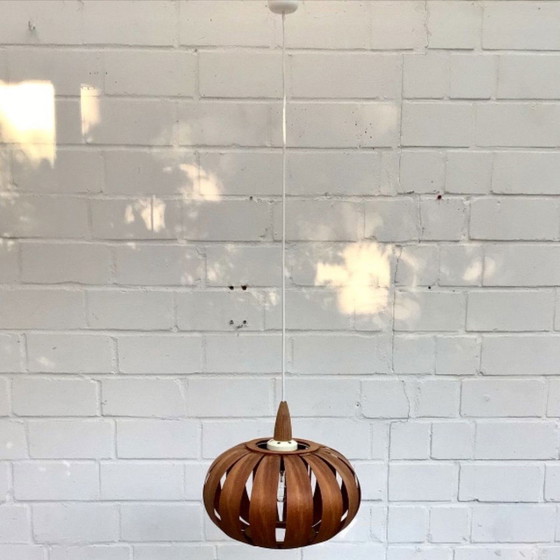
x,y
207,185
89,110
27,118
365,268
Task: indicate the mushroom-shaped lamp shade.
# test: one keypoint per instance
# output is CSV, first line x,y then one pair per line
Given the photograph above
x,y
263,495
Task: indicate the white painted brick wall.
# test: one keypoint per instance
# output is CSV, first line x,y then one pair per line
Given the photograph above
x,y
140,270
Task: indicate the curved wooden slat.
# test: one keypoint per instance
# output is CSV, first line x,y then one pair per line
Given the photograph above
x,y
331,498
263,513
220,466
229,506
349,482
299,503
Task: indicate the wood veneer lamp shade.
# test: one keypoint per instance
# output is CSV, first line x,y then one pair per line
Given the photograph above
x,y
281,499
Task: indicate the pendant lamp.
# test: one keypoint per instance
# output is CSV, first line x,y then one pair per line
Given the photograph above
x,y
282,492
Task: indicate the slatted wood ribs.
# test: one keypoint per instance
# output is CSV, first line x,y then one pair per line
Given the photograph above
x,y
281,499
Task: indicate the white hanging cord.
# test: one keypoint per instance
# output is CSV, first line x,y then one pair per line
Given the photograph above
x,y
284,118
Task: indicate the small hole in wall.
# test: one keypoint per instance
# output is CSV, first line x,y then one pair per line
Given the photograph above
x,y
231,287
244,287
439,196
244,322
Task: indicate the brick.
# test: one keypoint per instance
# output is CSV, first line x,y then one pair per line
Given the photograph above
x,y
4,398
422,482
540,78
413,354
194,476
422,172
490,552
523,25
173,551
15,526
515,173
56,481
44,396
384,398
170,265
553,408
240,74
91,552
425,76
239,173
518,523
15,28
138,219
339,172
311,310
516,440
249,353
140,122
509,124
75,523
337,397
231,220
203,24
437,124
452,440
373,478
341,354
151,23
398,25
13,436
407,524
229,124
154,171
171,73
392,220
460,265
552,483
9,262
74,171
128,480
239,552
160,354
438,398
38,308
410,440
501,483
429,311
469,172
442,220
69,353
237,265
30,216
157,439
343,125
472,76
21,551
80,263
10,353
253,397
346,76
67,70
521,265
503,397
449,525
317,28
123,310
520,355
493,310
143,397
178,522
245,309
71,439
361,551
454,25
505,219
5,481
